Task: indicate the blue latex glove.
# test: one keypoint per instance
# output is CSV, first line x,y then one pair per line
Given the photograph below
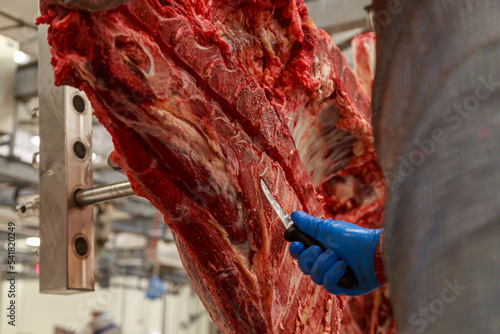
x,y
347,244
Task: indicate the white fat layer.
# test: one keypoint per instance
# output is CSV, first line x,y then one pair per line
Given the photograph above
x,y
187,140
308,144
324,149
152,70
323,73
265,40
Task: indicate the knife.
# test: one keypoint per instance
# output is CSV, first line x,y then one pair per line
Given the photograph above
x,y
293,233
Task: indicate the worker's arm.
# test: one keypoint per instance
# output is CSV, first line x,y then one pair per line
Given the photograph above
x,y
347,245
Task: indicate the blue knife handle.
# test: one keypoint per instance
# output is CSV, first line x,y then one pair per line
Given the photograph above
x,y
293,233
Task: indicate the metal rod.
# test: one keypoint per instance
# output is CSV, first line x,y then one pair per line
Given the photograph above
x,y
333,29
348,42
99,194
16,18
2,29
29,209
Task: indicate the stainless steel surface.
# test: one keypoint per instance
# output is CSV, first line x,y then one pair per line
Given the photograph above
x,y
284,217
66,230
105,193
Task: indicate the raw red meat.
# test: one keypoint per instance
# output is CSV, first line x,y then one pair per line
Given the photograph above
x,y
370,313
364,60
204,98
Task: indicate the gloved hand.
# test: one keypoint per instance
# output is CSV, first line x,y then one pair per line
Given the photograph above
x,y
347,244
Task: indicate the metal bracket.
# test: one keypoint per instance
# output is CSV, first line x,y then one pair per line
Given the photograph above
x,y
66,229
66,195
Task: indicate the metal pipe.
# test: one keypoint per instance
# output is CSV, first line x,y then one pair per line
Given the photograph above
x,y
2,29
18,19
336,28
99,194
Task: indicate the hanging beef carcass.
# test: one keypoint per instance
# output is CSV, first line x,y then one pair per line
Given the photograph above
x,y
205,98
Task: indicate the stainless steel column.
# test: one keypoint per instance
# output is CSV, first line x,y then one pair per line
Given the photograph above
x,y
66,229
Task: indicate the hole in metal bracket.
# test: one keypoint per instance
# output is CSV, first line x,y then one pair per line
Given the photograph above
x,y
79,149
81,246
79,103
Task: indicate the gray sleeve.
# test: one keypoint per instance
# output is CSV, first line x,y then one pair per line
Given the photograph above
x,y
436,105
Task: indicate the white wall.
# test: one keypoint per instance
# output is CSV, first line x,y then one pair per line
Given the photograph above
x,y
39,314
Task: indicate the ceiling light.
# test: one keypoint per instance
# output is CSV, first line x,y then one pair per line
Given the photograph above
x,y
35,140
21,58
33,241
96,158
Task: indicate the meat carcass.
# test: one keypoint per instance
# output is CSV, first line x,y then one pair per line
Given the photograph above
x,y
364,60
204,98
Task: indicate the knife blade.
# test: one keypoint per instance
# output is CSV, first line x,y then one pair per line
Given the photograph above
x,y
293,233
283,216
